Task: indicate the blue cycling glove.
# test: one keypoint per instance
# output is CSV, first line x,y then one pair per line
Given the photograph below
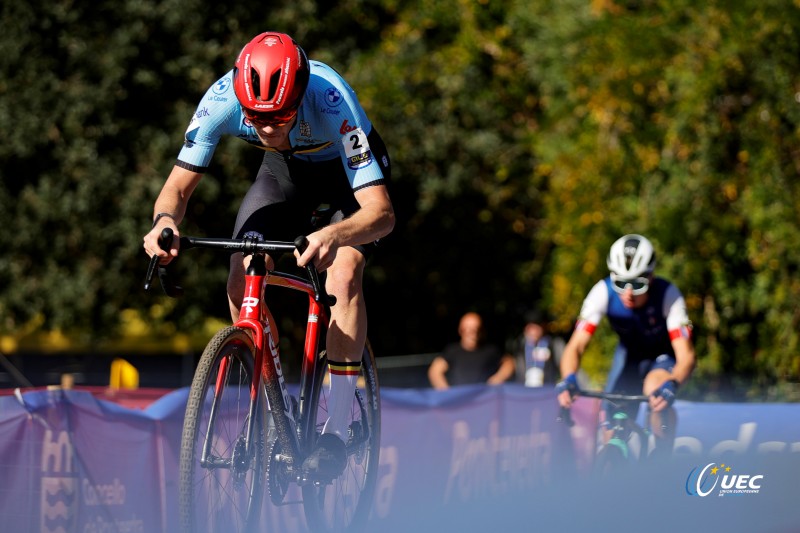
x,y
569,383
667,390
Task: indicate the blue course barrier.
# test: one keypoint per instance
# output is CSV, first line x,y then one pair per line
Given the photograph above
x,y
473,458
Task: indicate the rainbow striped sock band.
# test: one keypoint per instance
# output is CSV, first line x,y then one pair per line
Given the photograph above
x,y
344,368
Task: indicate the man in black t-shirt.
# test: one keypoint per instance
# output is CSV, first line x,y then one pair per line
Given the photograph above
x,y
470,361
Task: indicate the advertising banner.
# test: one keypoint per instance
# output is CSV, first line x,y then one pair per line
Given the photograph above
x,y
72,463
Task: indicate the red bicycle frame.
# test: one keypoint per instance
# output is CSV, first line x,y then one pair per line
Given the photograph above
x,y
256,318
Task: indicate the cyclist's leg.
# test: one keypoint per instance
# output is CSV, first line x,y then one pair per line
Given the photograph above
x,y
344,503
662,423
272,209
346,335
345,345
345,342
348,331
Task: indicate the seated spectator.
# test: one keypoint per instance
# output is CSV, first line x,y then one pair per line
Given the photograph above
x,y
470,360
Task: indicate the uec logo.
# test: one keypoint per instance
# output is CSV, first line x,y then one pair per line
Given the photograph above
x,y
702,482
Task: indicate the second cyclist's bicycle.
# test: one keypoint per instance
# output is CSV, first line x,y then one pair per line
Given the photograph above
x,y
245,435
628,441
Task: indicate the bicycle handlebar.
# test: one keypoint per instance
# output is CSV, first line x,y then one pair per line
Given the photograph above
x,y
246,246
612,396
565,415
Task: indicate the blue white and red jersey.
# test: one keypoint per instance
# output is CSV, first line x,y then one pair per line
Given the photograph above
x,y
645,332
330,124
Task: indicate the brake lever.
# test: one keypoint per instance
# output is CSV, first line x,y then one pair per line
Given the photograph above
x,y
565,416
164,273
301,243
164,242
151,269
166,277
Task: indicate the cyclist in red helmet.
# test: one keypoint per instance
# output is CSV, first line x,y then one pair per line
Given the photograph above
x,y
319,148
270,79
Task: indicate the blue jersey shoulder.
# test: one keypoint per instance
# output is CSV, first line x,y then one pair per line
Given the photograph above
x,y
217,114
330,123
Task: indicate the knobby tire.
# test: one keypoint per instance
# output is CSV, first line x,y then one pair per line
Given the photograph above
x,y
223,499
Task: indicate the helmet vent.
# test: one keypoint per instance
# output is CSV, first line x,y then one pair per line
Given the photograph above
x,y
629,251
273,85
255,80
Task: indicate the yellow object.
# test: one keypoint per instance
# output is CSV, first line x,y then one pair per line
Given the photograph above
x,y
123,375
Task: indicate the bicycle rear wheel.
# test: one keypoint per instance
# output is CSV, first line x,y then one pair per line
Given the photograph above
x,y
344,504
222,490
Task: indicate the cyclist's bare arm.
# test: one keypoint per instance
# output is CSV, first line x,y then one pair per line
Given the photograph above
x,y
571,359
684,364
684,359
173,200
373,220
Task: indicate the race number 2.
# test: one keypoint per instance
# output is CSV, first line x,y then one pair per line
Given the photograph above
x,y
356,148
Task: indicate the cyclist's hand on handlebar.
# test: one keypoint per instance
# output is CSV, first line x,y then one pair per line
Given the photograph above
x,y
321,250
151,244
566,389
664,396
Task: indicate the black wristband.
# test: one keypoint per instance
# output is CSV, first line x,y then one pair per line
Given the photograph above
x,y
160,216
676,383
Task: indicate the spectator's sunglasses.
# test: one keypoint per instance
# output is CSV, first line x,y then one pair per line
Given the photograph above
x,y
638,285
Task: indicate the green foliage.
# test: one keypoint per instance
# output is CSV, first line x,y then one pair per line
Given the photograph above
x,y
678,121
525,138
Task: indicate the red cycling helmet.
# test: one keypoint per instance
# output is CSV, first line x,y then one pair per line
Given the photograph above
x,y
270,77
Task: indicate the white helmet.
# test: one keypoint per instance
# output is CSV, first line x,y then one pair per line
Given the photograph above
x,y
631,256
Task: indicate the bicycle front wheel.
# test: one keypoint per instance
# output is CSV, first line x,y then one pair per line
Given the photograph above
x,y
612,458
222,469
345,503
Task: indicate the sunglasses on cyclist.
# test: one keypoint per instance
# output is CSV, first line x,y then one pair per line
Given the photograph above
x,y
637,285
273,119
